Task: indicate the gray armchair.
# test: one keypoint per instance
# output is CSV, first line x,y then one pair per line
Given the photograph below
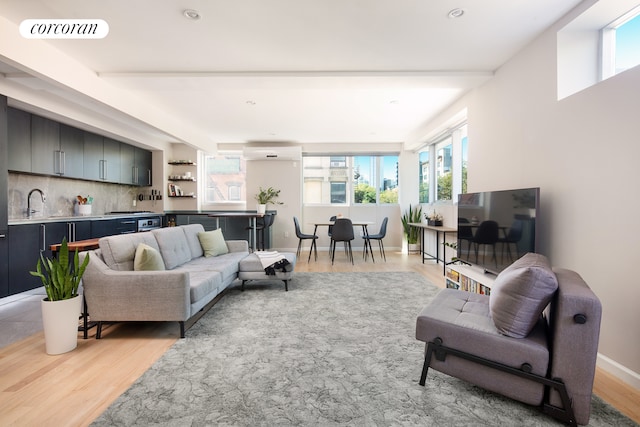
x,y
534,339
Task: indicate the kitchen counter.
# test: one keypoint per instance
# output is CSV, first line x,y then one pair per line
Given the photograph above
x,y
75,218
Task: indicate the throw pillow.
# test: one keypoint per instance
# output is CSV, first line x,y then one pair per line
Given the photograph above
x,y
213,243
147,258
520,293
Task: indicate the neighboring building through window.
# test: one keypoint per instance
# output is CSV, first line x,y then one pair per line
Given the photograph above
x,y
448,171
350,179
225,178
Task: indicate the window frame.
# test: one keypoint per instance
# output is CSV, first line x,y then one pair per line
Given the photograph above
x,y
457,137
350,185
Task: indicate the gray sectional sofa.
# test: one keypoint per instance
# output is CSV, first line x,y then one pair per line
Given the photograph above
x,y
182,292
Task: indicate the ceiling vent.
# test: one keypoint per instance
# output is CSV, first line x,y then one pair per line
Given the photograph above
x,y
272,153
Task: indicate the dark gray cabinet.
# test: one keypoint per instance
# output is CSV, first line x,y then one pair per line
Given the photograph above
x,y
45,146
4,241
71,152
143,166
135,165
109,227
101,158
127,164
19,142
27,242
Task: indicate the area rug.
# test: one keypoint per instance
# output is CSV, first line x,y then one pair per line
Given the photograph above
x,y
338,349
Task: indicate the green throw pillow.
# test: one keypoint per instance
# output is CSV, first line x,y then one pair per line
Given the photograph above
x,y
213,243
147,259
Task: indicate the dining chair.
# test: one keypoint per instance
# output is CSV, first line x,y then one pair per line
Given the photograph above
x,y
342,232
301,236
381,234
487,234
330,230
514,235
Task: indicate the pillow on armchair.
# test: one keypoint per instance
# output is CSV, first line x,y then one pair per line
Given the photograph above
x,y
520,293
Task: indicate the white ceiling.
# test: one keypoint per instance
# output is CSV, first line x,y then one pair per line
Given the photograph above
x,y
305,71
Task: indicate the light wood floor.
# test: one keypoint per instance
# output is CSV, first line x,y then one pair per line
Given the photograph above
x,y
74,388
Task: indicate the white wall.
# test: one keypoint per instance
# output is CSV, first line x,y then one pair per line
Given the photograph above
x,y
582,152
286,176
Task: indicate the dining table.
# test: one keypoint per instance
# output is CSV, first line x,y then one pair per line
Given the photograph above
x,y
356,223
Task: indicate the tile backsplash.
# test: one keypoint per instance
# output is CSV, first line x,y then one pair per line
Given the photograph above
x,y
61,196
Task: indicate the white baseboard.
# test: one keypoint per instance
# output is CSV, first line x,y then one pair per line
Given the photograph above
x,y
621,372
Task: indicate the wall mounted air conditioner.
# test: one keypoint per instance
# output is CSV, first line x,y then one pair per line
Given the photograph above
x,y
272,153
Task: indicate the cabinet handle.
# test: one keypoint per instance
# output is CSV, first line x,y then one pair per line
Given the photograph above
x,y
63,163
148,176
134,175
43,235
2,236
104,170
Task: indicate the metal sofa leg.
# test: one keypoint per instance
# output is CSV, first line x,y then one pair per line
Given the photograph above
x,y
99,330
181,329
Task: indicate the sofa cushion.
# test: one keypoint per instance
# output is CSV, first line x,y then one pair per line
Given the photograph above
x,y
119,251
213,243
173,246
191,232
520,293
147,259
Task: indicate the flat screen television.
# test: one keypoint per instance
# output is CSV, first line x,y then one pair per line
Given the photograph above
x,y
497,227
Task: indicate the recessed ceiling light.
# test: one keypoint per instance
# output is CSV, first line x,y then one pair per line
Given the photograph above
x,y
191,14
250,102
455,13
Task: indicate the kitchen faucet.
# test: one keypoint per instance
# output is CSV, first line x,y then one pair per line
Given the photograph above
x,y
30,211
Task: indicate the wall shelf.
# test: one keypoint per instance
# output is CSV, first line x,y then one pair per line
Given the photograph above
x,y
182,163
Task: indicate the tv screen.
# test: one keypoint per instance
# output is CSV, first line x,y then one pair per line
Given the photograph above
x,y
497,227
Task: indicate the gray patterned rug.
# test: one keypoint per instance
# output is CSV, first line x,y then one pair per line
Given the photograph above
x,y
337,349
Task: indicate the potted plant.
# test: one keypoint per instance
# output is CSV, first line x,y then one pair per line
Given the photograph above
x,y
433,218
412,233
61,307
266,196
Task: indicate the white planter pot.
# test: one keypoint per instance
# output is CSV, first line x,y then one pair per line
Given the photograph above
x,y
60,321
261,209
414,247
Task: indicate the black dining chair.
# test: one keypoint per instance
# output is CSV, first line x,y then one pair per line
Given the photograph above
x,y
342,232
465,234
381,234
301,236
514,235
330,230
486,234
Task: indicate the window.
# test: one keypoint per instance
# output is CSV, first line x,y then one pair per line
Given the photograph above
x,y
224,178
620,41
424,177
448,170
350,179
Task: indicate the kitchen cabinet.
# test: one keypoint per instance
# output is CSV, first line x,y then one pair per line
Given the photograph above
x,y
4,263
19,141
143,165
45,146
72,152
135,165
101,158
4,243
56,149
27,241
109,227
